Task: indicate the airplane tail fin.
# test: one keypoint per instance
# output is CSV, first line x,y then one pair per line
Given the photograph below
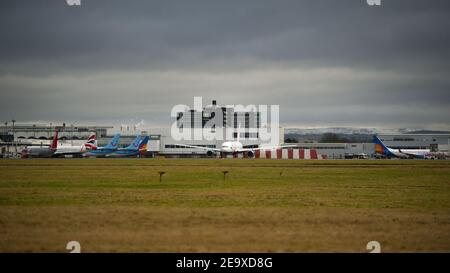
x,y
379,146
114,142
143,144
135,144
91,143
54,144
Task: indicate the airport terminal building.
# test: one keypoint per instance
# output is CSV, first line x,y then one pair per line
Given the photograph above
x,y
161,142
434,142
228,124
15,137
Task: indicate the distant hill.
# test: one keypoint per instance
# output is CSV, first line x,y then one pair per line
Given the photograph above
x,y
429,132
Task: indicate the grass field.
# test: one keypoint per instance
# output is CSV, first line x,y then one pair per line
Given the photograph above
x,y
119,205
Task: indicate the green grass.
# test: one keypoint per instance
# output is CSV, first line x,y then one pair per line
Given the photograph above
x,y
120,205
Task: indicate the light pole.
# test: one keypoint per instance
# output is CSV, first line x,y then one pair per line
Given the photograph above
x,y
13,144
6,130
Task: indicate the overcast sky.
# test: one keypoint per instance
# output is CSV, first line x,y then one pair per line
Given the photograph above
x,y
325,62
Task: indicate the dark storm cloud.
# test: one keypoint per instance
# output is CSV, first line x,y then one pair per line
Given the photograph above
x,y
105,34
322,61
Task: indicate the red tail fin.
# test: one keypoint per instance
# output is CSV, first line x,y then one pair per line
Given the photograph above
x,y
55,141
91,143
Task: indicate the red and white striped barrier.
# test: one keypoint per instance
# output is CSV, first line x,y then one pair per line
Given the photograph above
x,y
282,154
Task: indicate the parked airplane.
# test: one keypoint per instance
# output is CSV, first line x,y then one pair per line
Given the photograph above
x,y
234,147
381,148
41,151
76,150
106,150
138,146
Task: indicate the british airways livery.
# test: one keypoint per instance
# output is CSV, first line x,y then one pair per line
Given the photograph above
x,y
76,150
106,150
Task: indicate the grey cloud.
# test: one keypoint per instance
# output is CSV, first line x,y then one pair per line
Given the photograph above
x,y
322,61
170,34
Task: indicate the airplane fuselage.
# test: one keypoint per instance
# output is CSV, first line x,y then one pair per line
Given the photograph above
x,y
123,153
409,153
99,153
70,150
231,146
31,151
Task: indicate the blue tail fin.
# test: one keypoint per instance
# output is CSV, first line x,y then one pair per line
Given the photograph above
x,y
114,142
143,144
135,144
380,147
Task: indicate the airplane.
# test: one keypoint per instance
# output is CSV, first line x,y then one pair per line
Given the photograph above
x,y
381,148
76,150
106,150
137,147
47,151
231,147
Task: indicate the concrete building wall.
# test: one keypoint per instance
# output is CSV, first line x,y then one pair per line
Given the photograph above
x,y
162,141
338,150
32,132
415,141
168,143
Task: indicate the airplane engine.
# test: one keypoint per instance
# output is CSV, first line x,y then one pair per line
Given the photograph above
x,y
210,153
250,154
24,153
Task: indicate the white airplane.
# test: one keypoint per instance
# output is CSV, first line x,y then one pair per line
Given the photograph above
x,y
231,147
381,148
41,151
76,150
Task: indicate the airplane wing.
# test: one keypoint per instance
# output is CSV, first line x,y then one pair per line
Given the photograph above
x,y
198,147
267,148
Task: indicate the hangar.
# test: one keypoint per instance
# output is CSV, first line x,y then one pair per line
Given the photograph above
x,y
435,142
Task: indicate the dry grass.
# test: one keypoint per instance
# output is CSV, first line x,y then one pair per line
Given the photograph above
x,y
119,205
